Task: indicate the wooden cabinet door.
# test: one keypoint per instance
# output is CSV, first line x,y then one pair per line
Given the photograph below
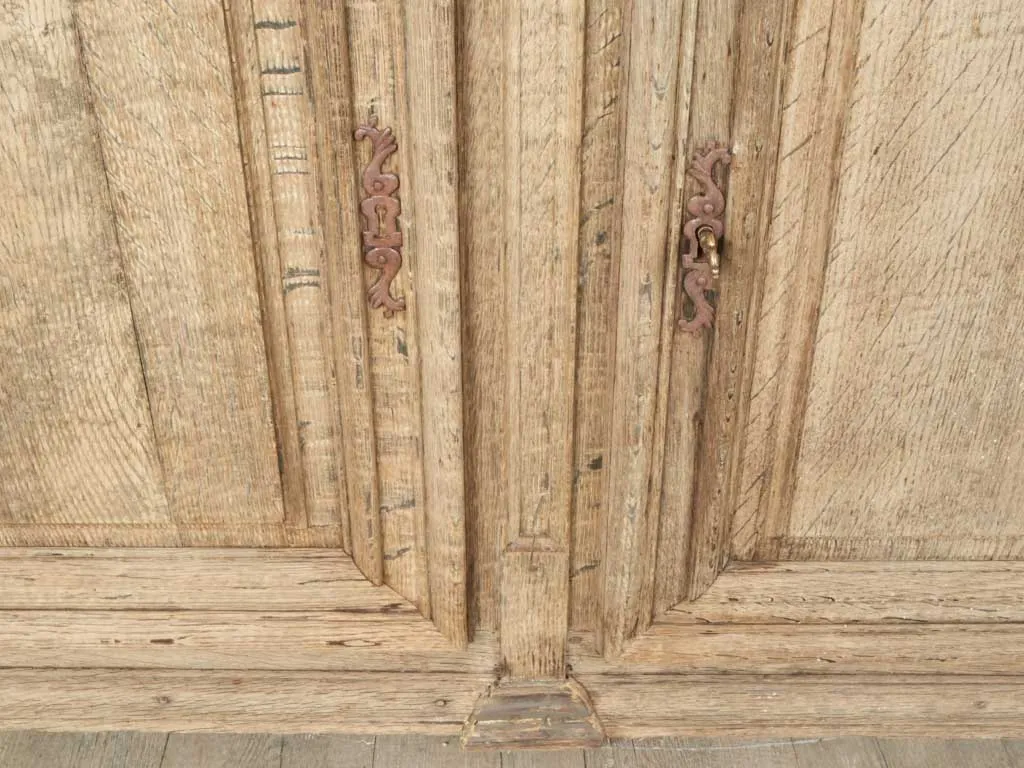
x,y
236,494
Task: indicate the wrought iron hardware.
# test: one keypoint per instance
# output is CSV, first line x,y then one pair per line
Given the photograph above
x,y
703,232
382,239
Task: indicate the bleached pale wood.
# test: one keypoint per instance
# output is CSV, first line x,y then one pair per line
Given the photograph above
x,y
71,385
162,89
480,61
921,439
761,39
240,23
657,60
807,705
363,638
706,100
379,71
835,650
340,182
292,153
189,579
543,91
434,239
222,750
328,751
240,702
820,76
600,219
859,592
148,535
566,758
30,749
927,439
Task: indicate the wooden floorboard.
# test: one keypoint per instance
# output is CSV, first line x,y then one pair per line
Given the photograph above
x,y
32,749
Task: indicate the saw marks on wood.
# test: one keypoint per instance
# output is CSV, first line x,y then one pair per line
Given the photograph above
x,y
72,388
161,84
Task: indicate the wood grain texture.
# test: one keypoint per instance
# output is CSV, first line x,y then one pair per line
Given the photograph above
x,y
429,751
71,387
676,752
600,220
170,535
162,89
821,72
363,638
920,439
762,38
859,593
434,239
240,702
327,751
548,714
222,750
379,72
926,439
240,25
330,81
807,706
189,579
543,87
657,60
288,116
835,650
706,100
903,753
27,749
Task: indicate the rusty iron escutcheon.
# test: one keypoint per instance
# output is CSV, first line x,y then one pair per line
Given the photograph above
x,y
703,233
382,239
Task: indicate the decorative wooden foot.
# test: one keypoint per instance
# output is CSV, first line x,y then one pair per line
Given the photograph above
x,y
547,714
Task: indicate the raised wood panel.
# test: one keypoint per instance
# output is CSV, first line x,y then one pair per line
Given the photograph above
x,y
902,426
71,386
161,85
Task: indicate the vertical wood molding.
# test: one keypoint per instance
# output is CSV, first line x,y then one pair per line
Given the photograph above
x,y
331,81
291,145
434,238
544,46
480,61
600,215
252,133
706,109
656,60
796,249
704,105
380,81
762,39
